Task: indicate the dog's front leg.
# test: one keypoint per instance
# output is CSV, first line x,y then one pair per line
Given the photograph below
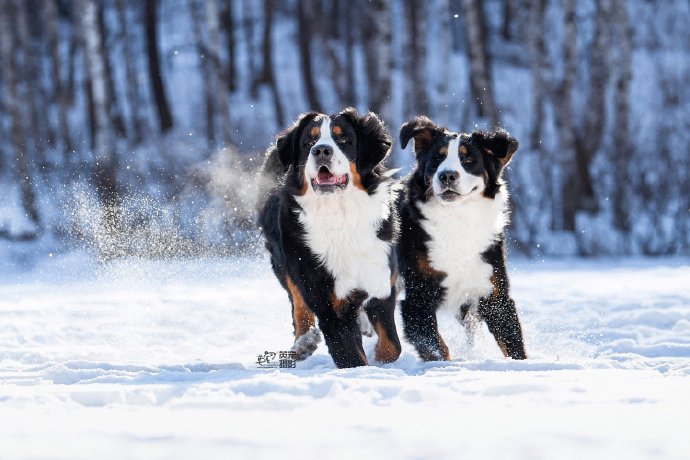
x,y
421,328
501,317
381,314
343,338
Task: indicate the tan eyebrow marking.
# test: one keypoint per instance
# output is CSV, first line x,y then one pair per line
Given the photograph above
x,y
337,130
315,131
463,150
443,150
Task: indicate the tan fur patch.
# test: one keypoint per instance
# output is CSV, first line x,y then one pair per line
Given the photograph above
x,y
497,287
504,349
443,151
485,175
303,319
356,177
315,131
422,139
385,351
426,269
338,304
305,182
445,354
463,150
337,130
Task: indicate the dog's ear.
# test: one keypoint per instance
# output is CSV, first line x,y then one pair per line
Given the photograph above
x,y
373,141
423,130
287,142
498,143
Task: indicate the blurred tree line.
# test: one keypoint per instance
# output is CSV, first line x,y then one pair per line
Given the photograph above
x,y
596,91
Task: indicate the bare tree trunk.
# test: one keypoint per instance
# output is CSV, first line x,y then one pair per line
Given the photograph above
x,y
509,13
538,64
249,26
480,72
228,22
439,102
349,71
268,74
112,100
53,37
33,93
417,100
105,174
206,74
72,57
330,31
304,39
377,35
217,82
622,206
590,135
565,219
155,73
133,94
537,54
12,10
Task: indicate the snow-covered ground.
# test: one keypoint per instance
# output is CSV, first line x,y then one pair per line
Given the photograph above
x,y
144,359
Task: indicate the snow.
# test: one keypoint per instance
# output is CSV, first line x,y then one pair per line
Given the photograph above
x,y
157,359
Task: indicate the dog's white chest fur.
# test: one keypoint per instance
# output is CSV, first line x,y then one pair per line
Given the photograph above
x,y
460,232
341,231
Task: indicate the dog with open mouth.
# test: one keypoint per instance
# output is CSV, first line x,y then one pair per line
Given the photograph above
x,y
452,246
327,211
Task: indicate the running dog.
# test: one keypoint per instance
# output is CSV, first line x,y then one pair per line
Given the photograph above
x,y
452,247
328,214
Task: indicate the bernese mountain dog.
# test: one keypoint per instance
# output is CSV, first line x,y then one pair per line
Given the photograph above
x,y
452,247
328,214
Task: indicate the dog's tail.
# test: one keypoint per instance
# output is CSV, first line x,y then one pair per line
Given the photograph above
x,y
271,176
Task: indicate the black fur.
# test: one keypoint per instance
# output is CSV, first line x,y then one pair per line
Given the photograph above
x,y
367,144
487,155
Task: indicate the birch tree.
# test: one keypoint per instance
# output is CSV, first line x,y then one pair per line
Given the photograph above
x,y
105,168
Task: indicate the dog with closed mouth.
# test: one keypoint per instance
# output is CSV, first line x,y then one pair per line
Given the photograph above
x,y
451,249
327,211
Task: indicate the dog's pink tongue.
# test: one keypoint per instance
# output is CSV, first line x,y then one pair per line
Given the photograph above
x,y
326,178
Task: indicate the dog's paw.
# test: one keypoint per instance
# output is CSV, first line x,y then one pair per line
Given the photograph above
x,y
364,325
306,344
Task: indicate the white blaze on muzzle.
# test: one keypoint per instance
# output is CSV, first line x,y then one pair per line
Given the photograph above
x,y
465,183
337,163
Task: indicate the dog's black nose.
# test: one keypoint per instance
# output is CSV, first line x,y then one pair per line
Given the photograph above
x,y
322,151
447,177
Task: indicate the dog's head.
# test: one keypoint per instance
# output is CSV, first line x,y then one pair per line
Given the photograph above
x,y
331,154
458,166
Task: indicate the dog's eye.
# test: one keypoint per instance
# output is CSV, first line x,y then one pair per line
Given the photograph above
x,y
310,142
343,141
466,160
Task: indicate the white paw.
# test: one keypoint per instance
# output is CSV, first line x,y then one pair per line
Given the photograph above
x,y
364,325
306,344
